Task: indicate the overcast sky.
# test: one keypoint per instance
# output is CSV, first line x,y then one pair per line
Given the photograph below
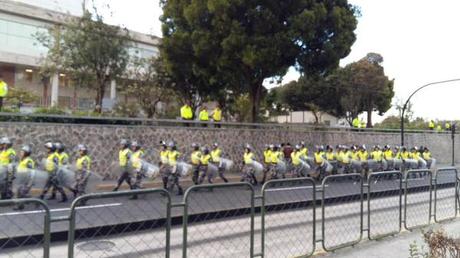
x,y
418,39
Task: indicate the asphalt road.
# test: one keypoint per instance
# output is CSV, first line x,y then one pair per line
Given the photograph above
x,y
224,221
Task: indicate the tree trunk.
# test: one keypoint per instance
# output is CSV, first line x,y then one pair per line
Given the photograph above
x,y
255,100
99,96
369,118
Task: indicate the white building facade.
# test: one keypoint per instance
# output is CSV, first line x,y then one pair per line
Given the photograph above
x,y
20,53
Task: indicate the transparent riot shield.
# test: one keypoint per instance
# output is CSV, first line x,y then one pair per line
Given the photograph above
x,y
66,177
183,168
258,168
226,164
150,170
94,180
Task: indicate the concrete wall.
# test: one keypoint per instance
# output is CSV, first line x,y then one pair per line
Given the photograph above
x,y
102,140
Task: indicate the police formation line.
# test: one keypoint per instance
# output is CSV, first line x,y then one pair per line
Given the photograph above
x,y
57,174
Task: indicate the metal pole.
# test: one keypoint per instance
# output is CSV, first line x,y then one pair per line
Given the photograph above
x,y
453,143
408,99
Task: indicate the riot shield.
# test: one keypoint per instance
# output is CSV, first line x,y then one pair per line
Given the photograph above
x,y
150,170
94,180
212,169
227,164
183,168
258,168
65,177
281,167
3,176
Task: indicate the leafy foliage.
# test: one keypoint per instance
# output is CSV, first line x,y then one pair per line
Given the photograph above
x,y
214,46
149,82
17,96
87,49
358,87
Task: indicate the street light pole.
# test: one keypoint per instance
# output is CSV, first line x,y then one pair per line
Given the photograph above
x,y
408,99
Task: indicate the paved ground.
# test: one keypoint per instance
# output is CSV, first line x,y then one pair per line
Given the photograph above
x,y
288,226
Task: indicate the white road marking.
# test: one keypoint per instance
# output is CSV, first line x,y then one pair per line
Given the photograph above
x,y
62,209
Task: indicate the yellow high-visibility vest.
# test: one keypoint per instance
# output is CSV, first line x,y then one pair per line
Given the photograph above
x,y
330,155
51,162
431,125
363,155
415,155
136,159
217,115
204,115
123,157
164,156
388,154
319,158
377,155
304,152
268,156
346,157
205,159
295,156
83,163
276,156
3,89
172,157
7,156
63,158
248,157
186,112
405,155
196,157
215,155
25,164
426,155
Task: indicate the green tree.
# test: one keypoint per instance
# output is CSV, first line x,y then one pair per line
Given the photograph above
x,y
238,44
149,82
364,86
87,46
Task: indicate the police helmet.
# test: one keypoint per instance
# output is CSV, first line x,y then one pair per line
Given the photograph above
x,y
135,144
205,149
59,146
271,146
82,147
6,140
247,146
124,142
298,147
215,145
50,146
26,149
172,144
162,143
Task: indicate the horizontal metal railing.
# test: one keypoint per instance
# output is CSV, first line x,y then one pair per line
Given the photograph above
x,y
231,220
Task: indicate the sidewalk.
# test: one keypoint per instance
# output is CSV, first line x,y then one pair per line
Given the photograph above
x,y
393,247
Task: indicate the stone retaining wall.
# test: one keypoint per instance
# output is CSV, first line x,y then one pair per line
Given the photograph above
x,y
102,140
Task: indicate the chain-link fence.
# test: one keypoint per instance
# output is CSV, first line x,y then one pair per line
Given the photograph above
x,y
445,194
288,218
384,204
24,222
127,224
224,220
417,198
219,221
342,211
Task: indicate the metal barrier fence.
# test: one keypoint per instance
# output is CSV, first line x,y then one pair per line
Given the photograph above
x,y
223,220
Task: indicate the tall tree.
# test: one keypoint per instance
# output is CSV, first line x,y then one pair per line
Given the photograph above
x,y
365,87
86,45
148,81
237,44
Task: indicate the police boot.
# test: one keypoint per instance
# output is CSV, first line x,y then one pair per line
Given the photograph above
x,y
180,192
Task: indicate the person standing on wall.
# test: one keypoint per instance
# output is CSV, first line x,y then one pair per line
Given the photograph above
x,y
204,116
217,116
186,112
3,91
431,125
